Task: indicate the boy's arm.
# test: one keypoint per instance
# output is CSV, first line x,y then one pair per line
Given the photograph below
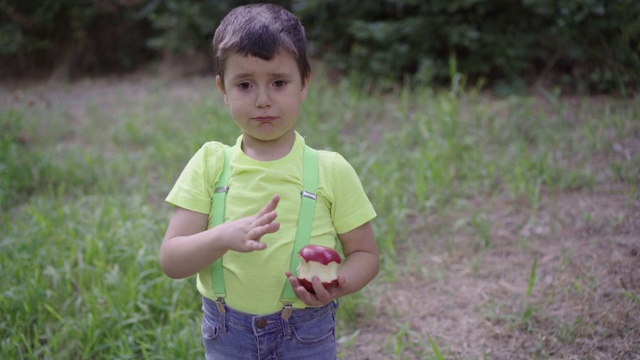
x,y
360,266
188,247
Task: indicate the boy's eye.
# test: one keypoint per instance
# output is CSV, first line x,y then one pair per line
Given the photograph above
x,y
244,85
279,83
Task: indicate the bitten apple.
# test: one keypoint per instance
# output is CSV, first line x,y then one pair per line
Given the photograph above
x,y
320,261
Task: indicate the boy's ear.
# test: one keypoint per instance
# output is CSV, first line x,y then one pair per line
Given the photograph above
x,y
305,86
221,87
219,83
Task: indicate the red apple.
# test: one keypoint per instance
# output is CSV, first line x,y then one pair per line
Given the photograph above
x,y
320,261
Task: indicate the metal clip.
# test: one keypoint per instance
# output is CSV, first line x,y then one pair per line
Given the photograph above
x,y
221,189
287,309
220,305
309,195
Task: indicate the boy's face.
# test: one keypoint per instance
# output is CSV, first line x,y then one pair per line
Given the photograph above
x,y
264,96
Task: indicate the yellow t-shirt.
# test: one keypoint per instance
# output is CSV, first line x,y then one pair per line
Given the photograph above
x,y
254,281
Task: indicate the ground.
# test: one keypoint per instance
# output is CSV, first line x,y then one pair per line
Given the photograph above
x,y
583,303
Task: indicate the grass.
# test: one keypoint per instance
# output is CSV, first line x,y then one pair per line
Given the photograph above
x,y
83,183
528,309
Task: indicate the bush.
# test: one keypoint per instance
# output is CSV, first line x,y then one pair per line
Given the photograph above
x,y
184,28
590,45
71,38
586,45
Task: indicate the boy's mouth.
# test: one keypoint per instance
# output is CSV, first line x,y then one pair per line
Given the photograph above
x,y
264,118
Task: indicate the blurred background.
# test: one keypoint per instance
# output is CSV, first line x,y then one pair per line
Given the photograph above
x,y
584,46
509,225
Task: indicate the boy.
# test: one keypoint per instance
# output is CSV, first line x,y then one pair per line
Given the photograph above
x,y
263,73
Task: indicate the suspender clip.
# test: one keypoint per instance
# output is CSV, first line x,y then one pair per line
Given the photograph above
x,y
220,305
287,309
221,189
309,195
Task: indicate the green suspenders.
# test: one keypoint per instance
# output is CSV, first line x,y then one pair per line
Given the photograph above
x,y
303,232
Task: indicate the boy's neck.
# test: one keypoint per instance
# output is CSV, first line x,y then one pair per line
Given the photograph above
x,y
268,150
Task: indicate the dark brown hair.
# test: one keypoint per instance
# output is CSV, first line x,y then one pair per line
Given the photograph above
x,y
260,30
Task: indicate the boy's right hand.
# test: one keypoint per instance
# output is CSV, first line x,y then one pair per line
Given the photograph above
x,y
243,235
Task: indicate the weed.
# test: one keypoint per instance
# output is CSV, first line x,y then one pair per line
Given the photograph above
x,y
407,341
528,309
482,228
436,350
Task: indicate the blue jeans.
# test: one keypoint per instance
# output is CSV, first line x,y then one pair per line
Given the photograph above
x,y
309,334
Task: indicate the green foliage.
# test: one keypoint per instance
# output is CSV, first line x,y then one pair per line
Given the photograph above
x,y
591,45
586,45
187,26
77,37
183,26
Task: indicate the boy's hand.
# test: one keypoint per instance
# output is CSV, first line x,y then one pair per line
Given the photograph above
x,y
322,296
243,235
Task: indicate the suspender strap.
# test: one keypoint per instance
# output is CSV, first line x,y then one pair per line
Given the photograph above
x,y
308,198
217,218
310,165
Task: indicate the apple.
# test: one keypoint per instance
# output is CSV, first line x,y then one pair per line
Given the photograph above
x,y
320,261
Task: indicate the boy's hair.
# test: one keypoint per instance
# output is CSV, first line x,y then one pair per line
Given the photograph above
x,y
260,30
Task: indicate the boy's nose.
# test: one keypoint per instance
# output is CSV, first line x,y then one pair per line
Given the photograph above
x,y
263,99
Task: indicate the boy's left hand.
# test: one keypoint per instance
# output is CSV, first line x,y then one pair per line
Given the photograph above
x,y
322,296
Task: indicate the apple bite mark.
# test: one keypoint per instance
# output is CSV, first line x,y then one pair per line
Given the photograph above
x,y
320,261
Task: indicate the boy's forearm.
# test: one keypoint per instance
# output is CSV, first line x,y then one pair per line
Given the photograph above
x,y
359,268
184,256
188,248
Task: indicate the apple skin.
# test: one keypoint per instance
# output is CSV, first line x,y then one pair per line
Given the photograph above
x,y
318,253
320,261
308,285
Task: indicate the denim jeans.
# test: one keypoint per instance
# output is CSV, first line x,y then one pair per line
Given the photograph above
x,y
309,334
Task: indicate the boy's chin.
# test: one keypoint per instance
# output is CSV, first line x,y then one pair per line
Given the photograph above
x,y
270,136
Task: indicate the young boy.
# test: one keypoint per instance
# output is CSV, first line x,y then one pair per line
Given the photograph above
x,y
263,73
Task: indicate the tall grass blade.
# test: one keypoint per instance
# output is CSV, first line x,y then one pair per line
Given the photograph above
x,y
436,351
532,276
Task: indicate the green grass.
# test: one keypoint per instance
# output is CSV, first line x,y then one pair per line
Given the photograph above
x,y
528,308
83,187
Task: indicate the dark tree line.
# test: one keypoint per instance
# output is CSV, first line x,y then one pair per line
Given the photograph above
x,y
587,45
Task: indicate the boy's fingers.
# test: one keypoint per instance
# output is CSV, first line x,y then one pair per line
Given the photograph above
x,y
255,245
271,205
292,279
321,293
259,231
306,297
265,218
300,291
